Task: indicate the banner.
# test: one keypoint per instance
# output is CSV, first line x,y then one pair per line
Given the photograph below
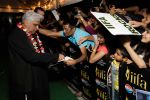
x,y
115,25
87,79
134,83
101,87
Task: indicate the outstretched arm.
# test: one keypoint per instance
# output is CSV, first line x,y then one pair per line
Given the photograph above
x,y
137,24
85,38
134,56
80,59
95,56
83,56
49,33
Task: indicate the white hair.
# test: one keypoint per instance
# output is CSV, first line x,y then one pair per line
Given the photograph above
x,y
32,16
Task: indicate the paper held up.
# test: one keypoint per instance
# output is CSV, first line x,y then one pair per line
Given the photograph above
x,y
55,13
114,24
66,58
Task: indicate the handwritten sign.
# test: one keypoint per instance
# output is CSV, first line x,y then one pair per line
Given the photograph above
x,y
114,24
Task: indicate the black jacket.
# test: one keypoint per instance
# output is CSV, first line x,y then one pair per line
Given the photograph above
x,y
28,69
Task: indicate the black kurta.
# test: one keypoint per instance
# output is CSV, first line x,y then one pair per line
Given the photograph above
x,y
28,69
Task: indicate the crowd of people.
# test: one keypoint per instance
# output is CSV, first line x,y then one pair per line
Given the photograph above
x,y
29,60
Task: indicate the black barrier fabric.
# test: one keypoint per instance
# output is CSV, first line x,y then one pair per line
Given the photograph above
x,y
72,73
101,89
135,85
87,79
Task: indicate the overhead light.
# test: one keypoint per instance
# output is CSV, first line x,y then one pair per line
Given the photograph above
x,y
39,4
8,7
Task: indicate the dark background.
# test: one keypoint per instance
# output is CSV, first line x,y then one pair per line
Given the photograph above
x,y
8,20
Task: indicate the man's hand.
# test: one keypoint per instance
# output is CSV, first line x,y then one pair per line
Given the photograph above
x,y
82,39
85,38
70,62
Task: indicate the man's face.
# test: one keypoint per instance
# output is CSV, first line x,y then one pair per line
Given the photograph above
x,y
68,30
32,26
41,12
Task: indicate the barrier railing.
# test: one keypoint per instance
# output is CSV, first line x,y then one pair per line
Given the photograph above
x,y
92,81
135,83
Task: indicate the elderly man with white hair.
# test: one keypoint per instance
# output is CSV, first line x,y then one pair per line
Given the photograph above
x,y
28,61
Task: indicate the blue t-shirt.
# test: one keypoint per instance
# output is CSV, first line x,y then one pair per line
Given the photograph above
x,y
76,37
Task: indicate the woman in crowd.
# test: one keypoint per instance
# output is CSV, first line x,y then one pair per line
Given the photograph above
x,y
144,22
141,54
87,24
100,49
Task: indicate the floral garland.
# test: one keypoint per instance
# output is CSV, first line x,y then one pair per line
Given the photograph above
x,y
35,40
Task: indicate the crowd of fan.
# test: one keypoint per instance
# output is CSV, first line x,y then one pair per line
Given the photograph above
x,y
84,20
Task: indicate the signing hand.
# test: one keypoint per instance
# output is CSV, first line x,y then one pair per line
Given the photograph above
x,y
70,62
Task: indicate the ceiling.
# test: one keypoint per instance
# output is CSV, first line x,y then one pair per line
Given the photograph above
x,y
23,5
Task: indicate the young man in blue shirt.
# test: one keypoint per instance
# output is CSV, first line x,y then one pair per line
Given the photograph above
x,y
80,38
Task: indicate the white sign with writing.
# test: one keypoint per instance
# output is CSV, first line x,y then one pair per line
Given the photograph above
x,y
115,25
68,2
54,12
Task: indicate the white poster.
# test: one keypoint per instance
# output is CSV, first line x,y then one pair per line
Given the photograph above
x,y
54,12
115,25
68,2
